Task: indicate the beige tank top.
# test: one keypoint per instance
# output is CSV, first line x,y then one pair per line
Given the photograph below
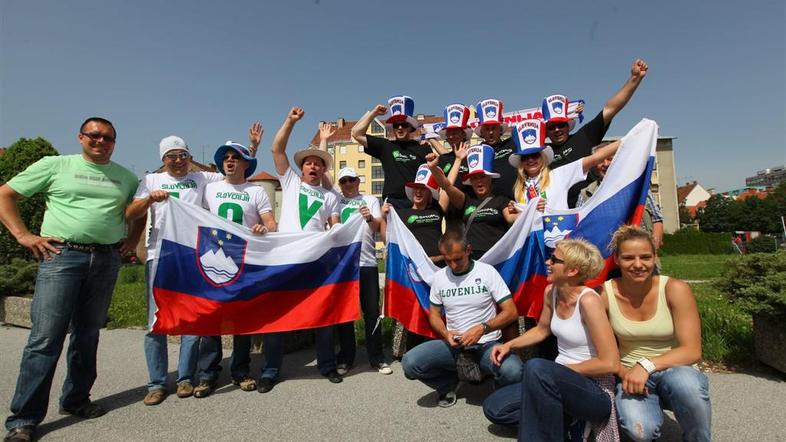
x,y
642,339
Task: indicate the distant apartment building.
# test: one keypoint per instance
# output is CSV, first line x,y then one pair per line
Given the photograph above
x,y
768,177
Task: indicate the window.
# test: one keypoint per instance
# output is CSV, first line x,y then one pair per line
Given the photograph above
x,y
374,160
376,172
331,150
342,164
360,148
376,128
343,150
376,187
362,178
361,164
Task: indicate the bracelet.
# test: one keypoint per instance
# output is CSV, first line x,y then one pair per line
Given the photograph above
x,y
647,365
486,328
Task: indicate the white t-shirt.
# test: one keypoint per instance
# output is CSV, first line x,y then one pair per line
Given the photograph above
x,y
348,207
188,188
304,208
560,181
240,203
469,299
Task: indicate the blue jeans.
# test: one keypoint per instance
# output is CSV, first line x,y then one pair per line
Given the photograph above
x,y
684,390
548,391
369,304
156,347
274,352
434,364
73,288
211,353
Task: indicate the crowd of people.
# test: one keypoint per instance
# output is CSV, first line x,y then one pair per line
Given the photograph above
x,y
608,358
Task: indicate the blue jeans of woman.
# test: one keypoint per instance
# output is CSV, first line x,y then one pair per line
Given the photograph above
x,y
156,353
684,390
73,288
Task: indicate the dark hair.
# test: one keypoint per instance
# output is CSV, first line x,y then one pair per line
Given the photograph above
x,y
100,121
453,235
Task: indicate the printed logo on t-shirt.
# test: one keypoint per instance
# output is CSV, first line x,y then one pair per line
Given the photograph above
x,y
502,153
306,209
446,168
403,157
185,184
469,210
470,290
350,206
422,219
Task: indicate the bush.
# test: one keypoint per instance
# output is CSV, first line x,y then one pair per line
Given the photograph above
x,y
762,244
692,242
726,331
757,284
18,278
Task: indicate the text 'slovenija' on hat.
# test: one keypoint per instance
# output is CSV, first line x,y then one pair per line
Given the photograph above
x,y
423,178
555,109
488,112
401,108
480,161
456,117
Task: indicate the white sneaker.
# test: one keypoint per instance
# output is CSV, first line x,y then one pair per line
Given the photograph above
x,y
384,368
342,369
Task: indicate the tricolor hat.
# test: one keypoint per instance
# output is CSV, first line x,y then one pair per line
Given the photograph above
x,y
456,117
555,110
480,160
402,108
218,158
530,138
423,178
489,111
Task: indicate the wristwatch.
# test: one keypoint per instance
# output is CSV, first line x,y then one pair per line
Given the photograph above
x,y
486,328
647,365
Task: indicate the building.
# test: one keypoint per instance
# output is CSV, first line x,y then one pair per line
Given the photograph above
x,y
692,196
768,177
272,187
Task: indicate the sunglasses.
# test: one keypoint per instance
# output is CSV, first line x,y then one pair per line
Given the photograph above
x,y
177,156
554,260
347,180
98,137
231,156
400,125
560,125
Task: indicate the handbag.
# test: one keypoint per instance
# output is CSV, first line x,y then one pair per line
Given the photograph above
x,y
468,367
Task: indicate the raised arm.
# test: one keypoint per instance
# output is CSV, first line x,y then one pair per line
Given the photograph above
x,y
593,314
615,104
599,155
437,146
455,196
326,130
40,247
360,128
279,147
255,137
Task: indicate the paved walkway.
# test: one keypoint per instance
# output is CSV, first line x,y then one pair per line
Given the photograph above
x,y
366,406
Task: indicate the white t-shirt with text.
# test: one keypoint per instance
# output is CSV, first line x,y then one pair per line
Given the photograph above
x,y
350,206
239,203
304,208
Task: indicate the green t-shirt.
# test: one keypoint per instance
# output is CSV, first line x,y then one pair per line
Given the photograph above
x,y
85,202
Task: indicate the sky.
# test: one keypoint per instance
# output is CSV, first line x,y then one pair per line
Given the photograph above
x,y
204,70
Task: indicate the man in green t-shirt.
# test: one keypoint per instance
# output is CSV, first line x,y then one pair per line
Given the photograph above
x,y
79,247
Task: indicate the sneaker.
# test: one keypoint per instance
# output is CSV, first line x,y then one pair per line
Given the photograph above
x,y
246,383
384,368
447,399
185,389
334,377
204,389
88,410
155,397
342,369
20,434
265,385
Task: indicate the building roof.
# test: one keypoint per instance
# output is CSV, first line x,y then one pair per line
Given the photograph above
x,y
684,191
263,176
760,194
344,129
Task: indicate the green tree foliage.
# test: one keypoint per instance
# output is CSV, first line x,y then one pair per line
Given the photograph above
x,y
721,214
763,215
757,283
17,158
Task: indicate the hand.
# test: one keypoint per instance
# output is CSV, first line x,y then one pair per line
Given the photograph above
x,y
157,196
472,336
295,114
580,108
498,353
432,160
512,207
541,205
127,247
40,247
453,339
461,150
255,136
634,381
366,213
259,229
326,130
385,209
639,69
379,110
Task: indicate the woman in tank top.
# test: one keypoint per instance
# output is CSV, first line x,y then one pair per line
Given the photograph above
x,y
580,382
657,325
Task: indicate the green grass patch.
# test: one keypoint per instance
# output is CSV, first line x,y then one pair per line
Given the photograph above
x,y
726,331
129,306
694,267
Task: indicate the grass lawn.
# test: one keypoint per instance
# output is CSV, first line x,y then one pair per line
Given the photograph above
x,y
694,267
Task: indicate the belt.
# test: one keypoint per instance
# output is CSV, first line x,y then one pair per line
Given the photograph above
x,y
90,248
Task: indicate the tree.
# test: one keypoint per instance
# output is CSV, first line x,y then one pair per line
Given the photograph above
x,y
721,214
17,158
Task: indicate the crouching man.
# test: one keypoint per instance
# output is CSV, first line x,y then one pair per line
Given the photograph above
x,y
471,293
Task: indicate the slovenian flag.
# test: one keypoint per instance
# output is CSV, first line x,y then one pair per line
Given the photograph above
x,y
519,256
213,277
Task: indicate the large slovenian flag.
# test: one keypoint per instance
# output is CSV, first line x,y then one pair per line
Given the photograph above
x,y
619,200
213,277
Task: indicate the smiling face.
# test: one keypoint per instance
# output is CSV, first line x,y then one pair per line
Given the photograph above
x,y
176,162
636,259
313,170
98,142
491,133
557,132
532,164
349,186
555,266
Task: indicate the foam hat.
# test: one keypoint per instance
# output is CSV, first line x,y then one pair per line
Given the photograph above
x,y
555,110
302,154
480,160
218,158
171,143
530,138
423,178
489,111
456,117
402,108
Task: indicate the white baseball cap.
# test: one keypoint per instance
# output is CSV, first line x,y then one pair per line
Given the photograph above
x,y
347,172
171,143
